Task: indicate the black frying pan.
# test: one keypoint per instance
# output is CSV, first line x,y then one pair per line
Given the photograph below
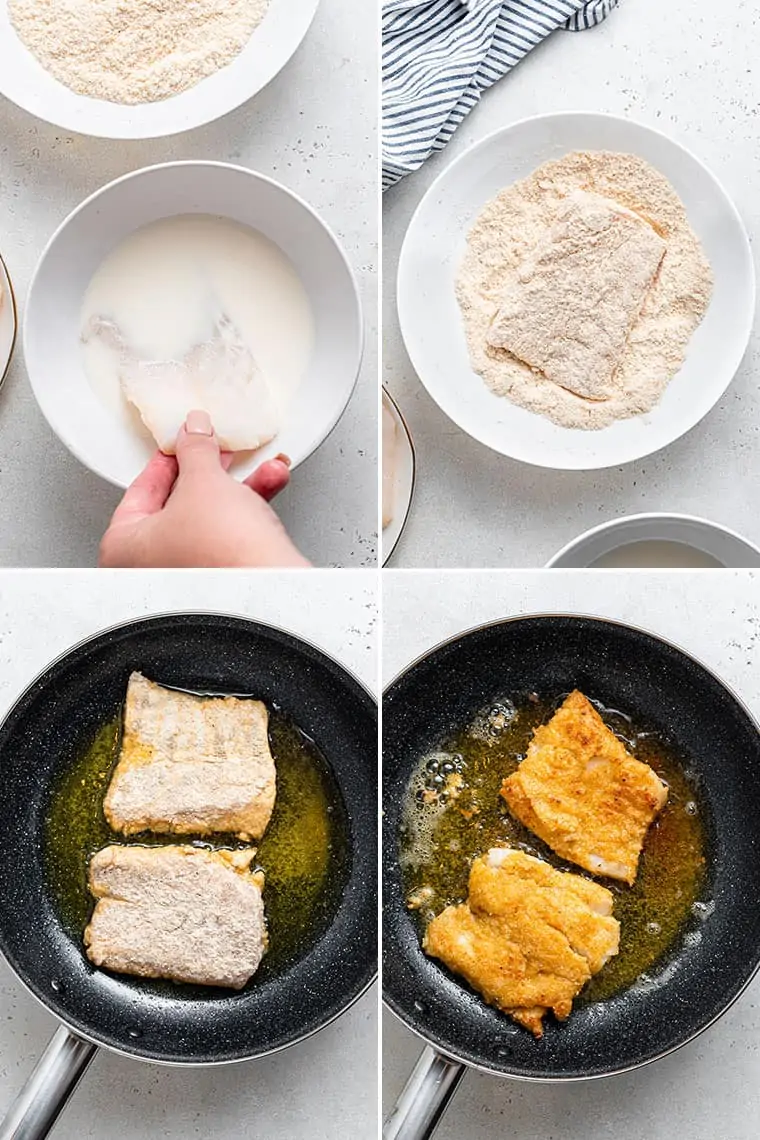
x,y
658,685
46,729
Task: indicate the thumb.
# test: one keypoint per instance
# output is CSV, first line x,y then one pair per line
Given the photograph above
x,y
197,447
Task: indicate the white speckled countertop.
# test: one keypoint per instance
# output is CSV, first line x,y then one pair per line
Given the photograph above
x,y
689,70
709,1089
52,510
326,1087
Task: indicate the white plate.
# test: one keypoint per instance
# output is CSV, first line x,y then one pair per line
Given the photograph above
x,y
26,82
405,478
432,325
51,334
8,322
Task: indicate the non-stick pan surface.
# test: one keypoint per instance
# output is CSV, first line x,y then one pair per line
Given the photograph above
x,y
43,733
657,685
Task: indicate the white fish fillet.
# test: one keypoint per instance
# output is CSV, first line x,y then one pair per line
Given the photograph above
x,y
219,376
568,309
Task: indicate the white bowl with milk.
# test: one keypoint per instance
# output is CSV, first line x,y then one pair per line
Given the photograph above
x,y
658,541
155,259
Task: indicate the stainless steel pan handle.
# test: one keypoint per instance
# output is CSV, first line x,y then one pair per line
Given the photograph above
x,y
425,1098
45,1095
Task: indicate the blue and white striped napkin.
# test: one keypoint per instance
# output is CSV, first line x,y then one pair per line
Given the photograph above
x,y
440,55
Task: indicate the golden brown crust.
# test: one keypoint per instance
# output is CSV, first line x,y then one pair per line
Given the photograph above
x,y
580,791
528,938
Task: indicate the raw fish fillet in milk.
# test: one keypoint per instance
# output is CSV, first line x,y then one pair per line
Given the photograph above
x,y
198,312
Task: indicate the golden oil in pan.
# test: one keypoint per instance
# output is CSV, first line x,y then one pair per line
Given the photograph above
x,y
305,850
304,853
454,813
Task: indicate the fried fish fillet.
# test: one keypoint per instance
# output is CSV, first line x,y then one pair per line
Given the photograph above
x,y
568,309
177,912
580,791
528,938
191,765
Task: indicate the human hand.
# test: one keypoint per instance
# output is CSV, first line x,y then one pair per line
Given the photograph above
x,y
185,510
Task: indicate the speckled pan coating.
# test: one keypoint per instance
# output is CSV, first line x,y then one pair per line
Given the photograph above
x,y
45,730
659,686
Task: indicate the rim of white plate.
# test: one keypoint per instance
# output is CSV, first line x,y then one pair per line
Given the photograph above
x,y
9,323
392,534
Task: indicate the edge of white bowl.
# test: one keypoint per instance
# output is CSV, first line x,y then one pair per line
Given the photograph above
x,y
614,524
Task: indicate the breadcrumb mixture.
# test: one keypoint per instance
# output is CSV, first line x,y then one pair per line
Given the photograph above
x,y
134,51
509,228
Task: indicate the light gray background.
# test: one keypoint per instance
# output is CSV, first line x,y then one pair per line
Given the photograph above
x,y
688,69
314,129
709,1090
324,1088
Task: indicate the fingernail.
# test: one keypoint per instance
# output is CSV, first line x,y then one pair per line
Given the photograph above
x,y
284,459
199,423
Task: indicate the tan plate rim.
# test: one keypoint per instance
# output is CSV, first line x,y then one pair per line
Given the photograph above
x,y
14,312
397,411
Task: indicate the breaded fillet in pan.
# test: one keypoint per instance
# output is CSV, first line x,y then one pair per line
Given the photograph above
x,y
177,912
528,938
580,791
191,765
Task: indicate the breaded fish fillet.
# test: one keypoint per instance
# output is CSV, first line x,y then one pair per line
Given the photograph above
x,y
581,792
177,912
191,765
528,938
568,309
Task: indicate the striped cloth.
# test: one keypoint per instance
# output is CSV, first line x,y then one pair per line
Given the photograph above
x,y
440,55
